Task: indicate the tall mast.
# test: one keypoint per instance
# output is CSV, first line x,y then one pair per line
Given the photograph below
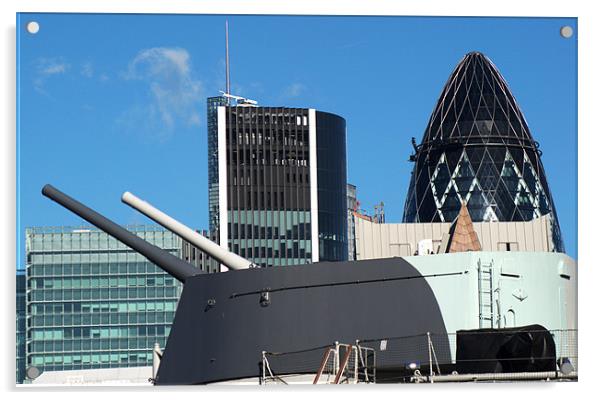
x,y
227,62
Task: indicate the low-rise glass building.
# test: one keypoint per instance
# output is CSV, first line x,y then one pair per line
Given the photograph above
x,y
93,302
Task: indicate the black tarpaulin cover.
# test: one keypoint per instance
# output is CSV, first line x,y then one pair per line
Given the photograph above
x,y
528,348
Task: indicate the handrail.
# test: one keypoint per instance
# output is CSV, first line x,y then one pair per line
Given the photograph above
x,y
322,365
344,365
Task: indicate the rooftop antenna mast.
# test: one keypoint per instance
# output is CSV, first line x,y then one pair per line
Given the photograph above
x,y
227,63
242,101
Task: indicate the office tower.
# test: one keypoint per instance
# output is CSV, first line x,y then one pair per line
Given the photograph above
x,y
277,182
92,302
477,149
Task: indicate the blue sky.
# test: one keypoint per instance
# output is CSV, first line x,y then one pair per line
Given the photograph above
x,y
109,103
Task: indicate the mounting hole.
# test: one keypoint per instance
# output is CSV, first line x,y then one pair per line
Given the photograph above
x,y
33,27
566,31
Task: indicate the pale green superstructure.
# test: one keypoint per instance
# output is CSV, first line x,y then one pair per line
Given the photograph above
x,y
516,288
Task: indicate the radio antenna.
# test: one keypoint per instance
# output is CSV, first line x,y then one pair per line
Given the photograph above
x,y
227,62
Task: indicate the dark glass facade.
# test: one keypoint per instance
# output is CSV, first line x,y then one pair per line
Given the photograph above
x,y
332,186
268,184
213,168
477,149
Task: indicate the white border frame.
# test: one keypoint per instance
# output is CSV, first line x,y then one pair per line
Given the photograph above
x,y
589,86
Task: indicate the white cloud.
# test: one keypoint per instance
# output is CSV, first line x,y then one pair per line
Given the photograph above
x,y
51,66
294,90
174,95
46,68
54,69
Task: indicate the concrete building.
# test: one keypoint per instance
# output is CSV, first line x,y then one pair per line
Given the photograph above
x,y
374,240
94,303
277,182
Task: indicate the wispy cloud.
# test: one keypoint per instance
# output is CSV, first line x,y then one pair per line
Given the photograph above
x,y
174,95
54,68
294,90
87,70
46,68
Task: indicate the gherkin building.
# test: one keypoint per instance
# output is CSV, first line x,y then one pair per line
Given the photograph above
x,y
477,149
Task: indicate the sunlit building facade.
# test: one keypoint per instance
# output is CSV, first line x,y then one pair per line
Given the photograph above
x,y
92,302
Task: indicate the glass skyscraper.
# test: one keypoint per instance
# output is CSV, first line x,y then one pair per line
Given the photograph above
x,y
92,302
477,149
277,183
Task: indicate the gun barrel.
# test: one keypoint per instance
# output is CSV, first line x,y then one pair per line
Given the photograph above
x,y
225,257
171,264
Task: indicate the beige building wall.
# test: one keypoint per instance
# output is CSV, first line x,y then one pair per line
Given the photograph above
x,y
374,240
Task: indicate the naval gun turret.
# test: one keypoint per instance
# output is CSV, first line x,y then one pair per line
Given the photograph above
x,y
225,321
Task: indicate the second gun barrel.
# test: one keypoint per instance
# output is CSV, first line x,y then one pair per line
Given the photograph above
x,y
227,258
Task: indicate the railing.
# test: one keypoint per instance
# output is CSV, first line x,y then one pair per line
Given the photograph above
x,y
565,341
429,357
338,363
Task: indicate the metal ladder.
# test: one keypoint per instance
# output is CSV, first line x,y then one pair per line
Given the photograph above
x,y
485,280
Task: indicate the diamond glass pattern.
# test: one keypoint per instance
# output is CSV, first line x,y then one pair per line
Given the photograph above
x,y
477,149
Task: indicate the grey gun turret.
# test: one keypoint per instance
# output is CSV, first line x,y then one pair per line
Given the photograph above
x,y
171,264
227,258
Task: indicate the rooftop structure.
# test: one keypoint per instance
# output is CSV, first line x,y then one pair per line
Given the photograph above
x,y
463,235
374,240
352,207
